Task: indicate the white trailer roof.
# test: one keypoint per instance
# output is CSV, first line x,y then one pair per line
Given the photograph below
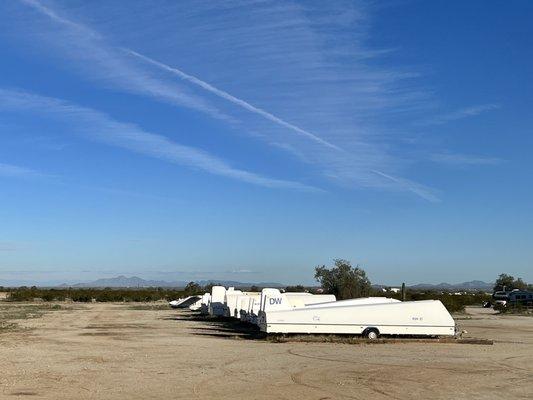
x,y
273,299
355,302
217,294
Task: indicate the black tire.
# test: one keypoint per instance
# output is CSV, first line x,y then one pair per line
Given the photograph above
x,y
371,333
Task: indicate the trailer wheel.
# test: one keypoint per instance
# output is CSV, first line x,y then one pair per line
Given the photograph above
x,y
371,333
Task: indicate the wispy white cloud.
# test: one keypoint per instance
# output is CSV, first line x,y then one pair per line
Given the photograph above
x,y
100,127
54,16
307,64
108,54
466,112
241,271
456,159
15,171
99,59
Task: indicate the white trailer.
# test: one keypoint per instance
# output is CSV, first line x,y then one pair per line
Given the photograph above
x,y
357,302
206,300
284,303
426,317
244,305
230,301
237,301
196,305
216,306
183,302
273,299
254,305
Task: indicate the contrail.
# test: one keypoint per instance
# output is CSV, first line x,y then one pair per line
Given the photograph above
x,y
54,16
233,99
411,186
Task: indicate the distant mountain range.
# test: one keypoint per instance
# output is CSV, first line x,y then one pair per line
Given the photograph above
x,y
471,285
123,281
136,282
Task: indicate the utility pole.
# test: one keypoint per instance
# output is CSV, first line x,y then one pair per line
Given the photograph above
x,y
403,291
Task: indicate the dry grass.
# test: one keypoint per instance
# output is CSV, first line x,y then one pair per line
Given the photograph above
x,y
346,339
148,307
7,326
11,312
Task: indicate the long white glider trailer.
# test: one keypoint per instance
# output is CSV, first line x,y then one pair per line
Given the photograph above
x,y
370,318
231,298
247,304
217,307
204,307
250,313
197,305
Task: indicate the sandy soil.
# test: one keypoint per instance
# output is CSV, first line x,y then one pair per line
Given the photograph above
x,y
112,351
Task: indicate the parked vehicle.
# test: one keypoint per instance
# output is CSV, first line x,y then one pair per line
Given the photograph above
x,y
500,297
520,298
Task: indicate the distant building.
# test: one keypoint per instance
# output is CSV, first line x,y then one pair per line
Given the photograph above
x,y
392,289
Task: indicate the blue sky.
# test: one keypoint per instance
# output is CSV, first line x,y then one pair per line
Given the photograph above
x,y
254,140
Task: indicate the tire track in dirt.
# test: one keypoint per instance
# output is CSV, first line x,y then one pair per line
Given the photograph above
x,y
375,381
294,353
209,381
297,378
323,375
527,373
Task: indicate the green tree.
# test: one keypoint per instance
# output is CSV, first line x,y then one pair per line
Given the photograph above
x,y
192,288
520,284
208,287
343,280
508,282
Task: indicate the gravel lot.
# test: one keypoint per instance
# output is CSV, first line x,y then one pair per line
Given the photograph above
x,y
122,351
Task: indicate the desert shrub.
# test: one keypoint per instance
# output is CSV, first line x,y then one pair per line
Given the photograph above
x,y
452,302
86,295
297,288
500,308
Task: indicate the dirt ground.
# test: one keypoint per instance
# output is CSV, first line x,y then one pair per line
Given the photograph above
x,y
121,351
